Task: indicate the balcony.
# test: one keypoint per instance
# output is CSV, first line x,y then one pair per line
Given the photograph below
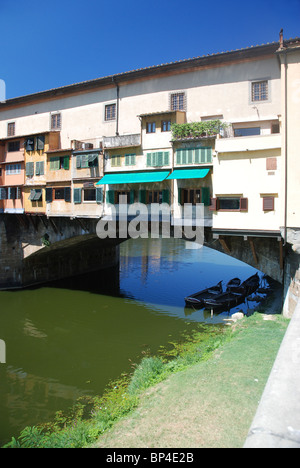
x,y
248,143
122,141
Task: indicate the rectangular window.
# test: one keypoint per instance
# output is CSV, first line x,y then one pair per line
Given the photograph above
x,y
158,159
155,196
11,129
129,159
229,204
58,163
59,194
39,168
178,101
201,155
166,126
259,91
151,127
55,121
12,169
248,131
115,160
268,203
110,112
13,146
89,194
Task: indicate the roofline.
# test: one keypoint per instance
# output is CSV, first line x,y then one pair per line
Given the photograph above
x,y
217,59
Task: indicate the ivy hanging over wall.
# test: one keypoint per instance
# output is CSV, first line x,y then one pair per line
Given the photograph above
x,y
206,128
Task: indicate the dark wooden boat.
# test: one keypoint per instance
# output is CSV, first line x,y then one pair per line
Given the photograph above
x,y
197,300
248,286
233,283
225,301
233,296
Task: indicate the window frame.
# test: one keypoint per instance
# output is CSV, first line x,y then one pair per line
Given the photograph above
x,y
151,127
113,111
165,126
178,106
55,121
11,129
260,81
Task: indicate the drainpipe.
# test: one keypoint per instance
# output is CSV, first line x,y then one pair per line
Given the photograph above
x,y
285,149
117,110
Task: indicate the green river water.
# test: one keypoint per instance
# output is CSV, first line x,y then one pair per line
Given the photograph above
x,y
70,338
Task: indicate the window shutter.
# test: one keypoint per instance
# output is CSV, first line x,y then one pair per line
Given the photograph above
x,y
18,194
29,145
84,160
68,194
37,168
131,198
3,194
29,169
49,195
142,196
110,197
99,194
205,196
166,196
160,158
40,142
66,163
244,204
197,155
190,156
268,203
78,161
179,196
77,195
42,168
213,204
149,159
166,158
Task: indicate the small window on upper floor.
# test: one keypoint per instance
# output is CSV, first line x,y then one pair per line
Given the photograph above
x,y
247,131
166,125
56,121
110,112
11,129
259,91
178,101
150,127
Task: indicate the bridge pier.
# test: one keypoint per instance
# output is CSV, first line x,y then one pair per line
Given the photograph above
x,y
291,276
36,250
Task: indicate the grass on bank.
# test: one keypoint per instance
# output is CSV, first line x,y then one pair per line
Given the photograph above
x,y
195,366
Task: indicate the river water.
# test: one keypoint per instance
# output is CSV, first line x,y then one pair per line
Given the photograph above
x,y
71,338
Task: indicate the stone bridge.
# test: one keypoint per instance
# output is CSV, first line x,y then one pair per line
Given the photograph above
x,y
36,250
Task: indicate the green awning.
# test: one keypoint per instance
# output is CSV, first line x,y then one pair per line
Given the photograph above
x,y
188,174
133,178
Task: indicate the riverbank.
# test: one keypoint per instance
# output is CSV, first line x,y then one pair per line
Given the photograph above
x,y
206,395
212,403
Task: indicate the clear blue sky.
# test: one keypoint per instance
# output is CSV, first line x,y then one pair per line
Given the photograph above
x,y
47,44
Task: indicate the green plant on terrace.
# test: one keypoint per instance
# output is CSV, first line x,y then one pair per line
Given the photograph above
x,y
197,129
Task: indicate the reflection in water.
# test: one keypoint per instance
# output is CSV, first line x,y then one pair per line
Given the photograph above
x,y
71,338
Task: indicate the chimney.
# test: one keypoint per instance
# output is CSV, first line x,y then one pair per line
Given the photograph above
x,y
281,39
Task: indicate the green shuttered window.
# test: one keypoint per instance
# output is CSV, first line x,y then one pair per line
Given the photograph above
x,y
158,159
194,155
